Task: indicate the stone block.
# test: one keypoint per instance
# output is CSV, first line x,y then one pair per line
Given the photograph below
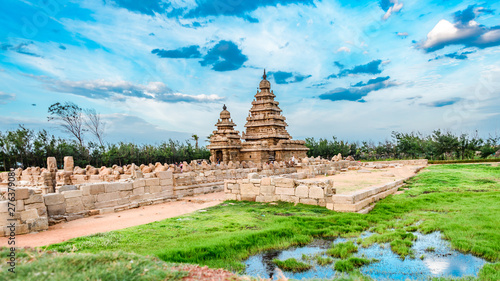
x,y
316,192
284,191
125,186
97,189
34,206
72,193
329,206
73,201
34,198
139,183
247,197
166,193
155,189
164,175
322,202
19,206
107,196
85,190
22,193
265,199
265,181
20,229
342,199
166,187
138,191
107,204
88,201
166,182
302,191
123,201
125,194
29,214
39,224
288,198
285,183
54,210
267,189
308,201
152,182
112,187
53,199
249,189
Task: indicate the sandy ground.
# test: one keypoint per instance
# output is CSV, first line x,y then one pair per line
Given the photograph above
x,y
353,180
112,221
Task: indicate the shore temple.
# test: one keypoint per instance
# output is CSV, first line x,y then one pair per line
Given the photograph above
x,y
265,139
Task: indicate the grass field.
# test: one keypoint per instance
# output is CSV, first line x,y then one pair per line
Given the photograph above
x,y
461,201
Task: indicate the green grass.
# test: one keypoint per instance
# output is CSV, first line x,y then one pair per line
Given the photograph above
x,y
34,265
350,264
292,265
400,241
323,261
464,161
461,201
430,249
342,250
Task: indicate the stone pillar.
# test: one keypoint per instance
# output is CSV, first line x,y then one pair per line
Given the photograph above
x,y
69,165
49,177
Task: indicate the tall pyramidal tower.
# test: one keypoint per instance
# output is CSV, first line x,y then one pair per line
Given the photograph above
x,y
266,138
265,122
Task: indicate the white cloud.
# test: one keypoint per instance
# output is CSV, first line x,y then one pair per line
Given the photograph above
x,y
344,49
445,32
396,7
120,90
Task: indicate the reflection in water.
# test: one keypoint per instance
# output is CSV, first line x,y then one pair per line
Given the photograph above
x,y
436,266
441,262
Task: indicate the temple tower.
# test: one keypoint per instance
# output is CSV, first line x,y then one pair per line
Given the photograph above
x,y
265,122
225,142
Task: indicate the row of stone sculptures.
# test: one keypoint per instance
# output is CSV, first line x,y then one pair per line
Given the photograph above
x,y
51,174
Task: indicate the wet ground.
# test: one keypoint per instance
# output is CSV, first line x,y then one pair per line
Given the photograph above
x,y
433,258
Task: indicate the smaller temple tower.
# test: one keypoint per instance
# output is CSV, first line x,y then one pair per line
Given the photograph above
x,y
225,142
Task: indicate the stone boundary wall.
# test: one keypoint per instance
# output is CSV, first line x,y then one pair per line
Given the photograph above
x,y
30,215
270,189
321,193
35,211
361,201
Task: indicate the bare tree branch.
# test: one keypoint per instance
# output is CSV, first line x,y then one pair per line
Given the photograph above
x,y
70,118
95,125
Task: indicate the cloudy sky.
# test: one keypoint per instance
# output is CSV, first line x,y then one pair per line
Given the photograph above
x,y
163,69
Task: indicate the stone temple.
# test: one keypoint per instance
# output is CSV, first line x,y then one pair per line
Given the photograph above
x,y
266,138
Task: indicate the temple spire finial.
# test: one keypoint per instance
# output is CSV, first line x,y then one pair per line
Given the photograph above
x,y
224,107
264,76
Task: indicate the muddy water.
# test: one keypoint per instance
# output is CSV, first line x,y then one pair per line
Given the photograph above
x,y
441,262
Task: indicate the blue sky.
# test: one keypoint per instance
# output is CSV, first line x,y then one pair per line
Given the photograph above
x,y
163,69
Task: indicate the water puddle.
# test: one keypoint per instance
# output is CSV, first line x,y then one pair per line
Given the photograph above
x,y
433,258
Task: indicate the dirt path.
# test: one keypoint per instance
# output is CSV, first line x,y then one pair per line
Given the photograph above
x,y
107,222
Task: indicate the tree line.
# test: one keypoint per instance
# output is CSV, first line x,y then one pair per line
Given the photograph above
x,y
25,148
439,145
